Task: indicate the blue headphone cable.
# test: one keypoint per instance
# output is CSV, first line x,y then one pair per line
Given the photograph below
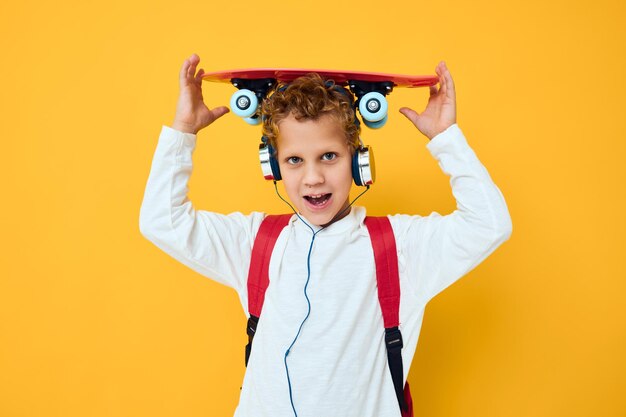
x,y
308,266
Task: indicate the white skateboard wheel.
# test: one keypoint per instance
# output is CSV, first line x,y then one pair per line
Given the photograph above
x,y
244,103
252,120
376,125
373,107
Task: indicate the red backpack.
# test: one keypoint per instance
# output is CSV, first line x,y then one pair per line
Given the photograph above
x,y
387,278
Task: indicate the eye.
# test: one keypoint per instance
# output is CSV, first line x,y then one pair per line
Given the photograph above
x,y
329,156
294,160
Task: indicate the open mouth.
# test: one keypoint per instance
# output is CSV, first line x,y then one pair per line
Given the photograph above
x,y
317,200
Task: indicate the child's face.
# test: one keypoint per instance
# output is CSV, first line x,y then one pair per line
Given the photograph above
x,y
316,167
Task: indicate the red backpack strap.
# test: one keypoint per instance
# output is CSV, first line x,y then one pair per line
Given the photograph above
x,y
387,276
258,274
388,280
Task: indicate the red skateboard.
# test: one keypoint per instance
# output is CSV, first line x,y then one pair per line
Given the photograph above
x,y
370,88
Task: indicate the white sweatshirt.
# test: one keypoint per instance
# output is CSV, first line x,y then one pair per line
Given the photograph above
x,y
338,365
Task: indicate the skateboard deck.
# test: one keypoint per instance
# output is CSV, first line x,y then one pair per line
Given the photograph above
x,y
339,77
369,88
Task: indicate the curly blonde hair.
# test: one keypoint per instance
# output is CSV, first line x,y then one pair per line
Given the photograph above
x,y
308,98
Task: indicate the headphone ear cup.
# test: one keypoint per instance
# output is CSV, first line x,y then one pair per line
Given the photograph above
x,y
269,164
363,169
356,174
274,164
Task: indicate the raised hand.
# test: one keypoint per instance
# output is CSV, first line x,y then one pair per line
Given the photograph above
x,y
191,112
440,112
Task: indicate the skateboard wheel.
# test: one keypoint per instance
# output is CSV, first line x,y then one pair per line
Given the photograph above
x,y
373,107
376,125
244,103
252,120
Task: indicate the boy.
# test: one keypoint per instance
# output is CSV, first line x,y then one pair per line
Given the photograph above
x,y
319,347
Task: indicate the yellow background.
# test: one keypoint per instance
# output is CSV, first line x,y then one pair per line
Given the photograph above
x,y
96,321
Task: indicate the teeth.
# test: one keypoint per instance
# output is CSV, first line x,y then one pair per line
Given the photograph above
x,y
318,199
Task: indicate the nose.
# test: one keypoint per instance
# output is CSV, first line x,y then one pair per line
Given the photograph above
x,y
313,175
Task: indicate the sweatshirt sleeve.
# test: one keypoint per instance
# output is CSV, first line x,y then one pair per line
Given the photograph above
x,y
215,245
437,250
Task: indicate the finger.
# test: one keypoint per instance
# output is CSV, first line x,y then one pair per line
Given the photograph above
x,y
442,78
410,114
193,63
219,112
182,76
199,75
433,90
191,71
439,77
438,69
449,82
